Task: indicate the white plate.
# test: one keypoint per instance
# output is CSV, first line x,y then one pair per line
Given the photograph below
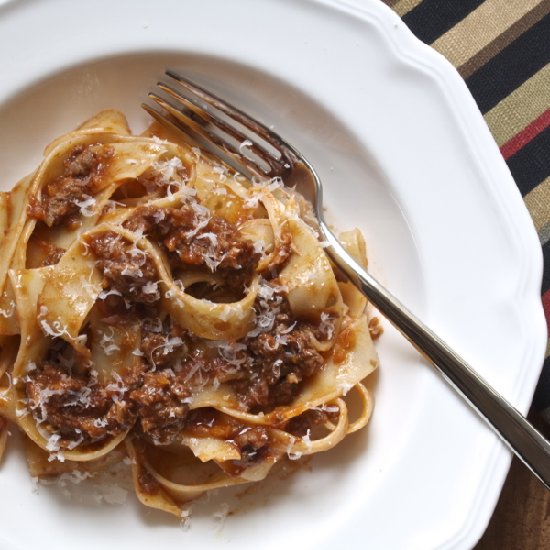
x,y
404,155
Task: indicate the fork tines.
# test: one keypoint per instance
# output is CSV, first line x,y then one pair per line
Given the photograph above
x,y
225,131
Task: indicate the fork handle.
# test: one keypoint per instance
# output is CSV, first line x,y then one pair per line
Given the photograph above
x,y
522,438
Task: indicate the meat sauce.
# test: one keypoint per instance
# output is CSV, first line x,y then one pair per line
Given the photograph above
x,y
125,267
70,401
266,369
253,442
59,200
280,360
345,342
148,484
193,238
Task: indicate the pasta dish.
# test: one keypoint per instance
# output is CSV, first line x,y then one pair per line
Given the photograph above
x,y
155,305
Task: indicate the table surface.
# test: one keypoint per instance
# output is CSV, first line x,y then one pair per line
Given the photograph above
x,y
502,50
522,516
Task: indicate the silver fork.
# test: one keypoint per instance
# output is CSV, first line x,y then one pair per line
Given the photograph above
x,y
253,149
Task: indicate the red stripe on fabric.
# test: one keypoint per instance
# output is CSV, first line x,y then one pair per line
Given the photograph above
x,y
546,306
512,146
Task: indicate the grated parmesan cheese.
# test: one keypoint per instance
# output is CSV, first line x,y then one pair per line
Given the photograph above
x,y
185,518
229,351
56,456
296,455
269,303
307,439
53,443
9,311
244,145
326,326
86,206
55,330
259,247
151,288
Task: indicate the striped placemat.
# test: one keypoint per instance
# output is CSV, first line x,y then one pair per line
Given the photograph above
x,y
502,50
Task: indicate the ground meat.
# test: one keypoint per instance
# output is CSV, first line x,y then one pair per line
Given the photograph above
x,y
147,482
276,356
58,201
277,370
161,407
219,241
253,443
200,369
164,178
375,328
163,343
193,238
78,408
53,254
164,414
41,252
68,399
301,425
207,422
125,267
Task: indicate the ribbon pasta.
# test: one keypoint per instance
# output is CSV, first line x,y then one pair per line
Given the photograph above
x,y
156,305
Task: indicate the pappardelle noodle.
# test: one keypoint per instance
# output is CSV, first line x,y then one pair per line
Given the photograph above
x,y
157,306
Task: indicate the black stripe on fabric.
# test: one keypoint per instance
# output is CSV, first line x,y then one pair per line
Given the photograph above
x,y
531,164
512,66
430,19
546,274
541,399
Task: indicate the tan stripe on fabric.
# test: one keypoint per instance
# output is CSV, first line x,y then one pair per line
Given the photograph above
x,y
391,3
405,6
480,27
504,39
521,107
544,234
538,204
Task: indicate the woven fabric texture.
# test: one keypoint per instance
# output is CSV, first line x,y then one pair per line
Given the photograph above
x,y
502,50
